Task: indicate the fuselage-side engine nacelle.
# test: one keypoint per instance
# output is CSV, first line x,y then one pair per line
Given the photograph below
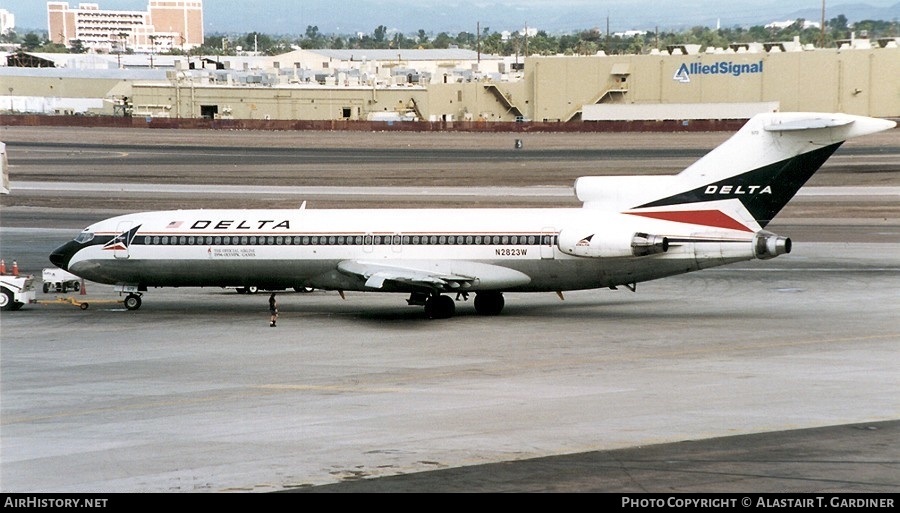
x,y
610,245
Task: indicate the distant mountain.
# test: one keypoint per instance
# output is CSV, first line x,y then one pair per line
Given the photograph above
x,y
853,12
454,16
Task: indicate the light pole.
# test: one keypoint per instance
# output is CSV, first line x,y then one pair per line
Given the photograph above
x,y
152,48
122,46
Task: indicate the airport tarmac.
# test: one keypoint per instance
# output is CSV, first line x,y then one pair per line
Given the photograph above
x,y
759,377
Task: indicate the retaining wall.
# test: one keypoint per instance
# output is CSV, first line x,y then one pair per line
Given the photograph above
x,y
694,125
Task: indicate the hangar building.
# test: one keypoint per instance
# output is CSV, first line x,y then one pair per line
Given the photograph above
x,y
860,77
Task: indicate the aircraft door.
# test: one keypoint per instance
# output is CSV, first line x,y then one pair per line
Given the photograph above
x,y
368,243
397,243
548,243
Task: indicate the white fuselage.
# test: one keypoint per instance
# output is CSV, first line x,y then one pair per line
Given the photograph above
x,y
293,248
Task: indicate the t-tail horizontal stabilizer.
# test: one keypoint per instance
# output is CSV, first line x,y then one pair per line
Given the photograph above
x,y
748,179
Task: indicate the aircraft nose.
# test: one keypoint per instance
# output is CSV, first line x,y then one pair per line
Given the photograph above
x,y
61,256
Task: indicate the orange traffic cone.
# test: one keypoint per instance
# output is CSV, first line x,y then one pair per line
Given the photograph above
x,y
83,288
15,268
2,266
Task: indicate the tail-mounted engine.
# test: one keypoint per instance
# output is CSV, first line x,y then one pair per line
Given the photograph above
x,y
600,245
768,245
644,244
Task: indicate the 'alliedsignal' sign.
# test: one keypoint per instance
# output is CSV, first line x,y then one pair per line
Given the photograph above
x,y
684,73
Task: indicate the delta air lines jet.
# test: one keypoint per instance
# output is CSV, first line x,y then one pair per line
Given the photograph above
x,y
630,229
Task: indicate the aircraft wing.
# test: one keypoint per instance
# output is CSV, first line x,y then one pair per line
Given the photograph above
x,y
435,274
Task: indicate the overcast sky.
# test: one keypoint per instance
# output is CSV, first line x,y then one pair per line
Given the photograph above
x,y
347,16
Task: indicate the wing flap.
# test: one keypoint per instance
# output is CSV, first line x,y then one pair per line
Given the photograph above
x,y
435,274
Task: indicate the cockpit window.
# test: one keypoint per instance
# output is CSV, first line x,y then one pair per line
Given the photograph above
x,y
84,237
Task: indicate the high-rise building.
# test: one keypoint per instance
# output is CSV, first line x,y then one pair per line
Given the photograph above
x,y
7,21
166,24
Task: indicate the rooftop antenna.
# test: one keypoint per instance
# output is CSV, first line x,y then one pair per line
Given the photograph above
x,y
822,31
526,39
607,33
478,40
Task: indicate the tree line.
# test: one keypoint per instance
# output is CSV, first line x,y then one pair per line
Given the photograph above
x,y
584,42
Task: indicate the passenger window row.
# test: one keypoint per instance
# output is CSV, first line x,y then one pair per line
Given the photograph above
x,y
348,240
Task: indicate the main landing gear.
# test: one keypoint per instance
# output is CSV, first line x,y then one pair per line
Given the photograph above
x,y
489,303
439,306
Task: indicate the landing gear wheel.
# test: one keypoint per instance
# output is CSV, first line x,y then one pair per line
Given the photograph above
x,y
439,307
132,301
252,290
489,303
46,288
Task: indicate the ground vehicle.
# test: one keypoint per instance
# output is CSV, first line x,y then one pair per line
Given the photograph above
x,y
59,280
16,291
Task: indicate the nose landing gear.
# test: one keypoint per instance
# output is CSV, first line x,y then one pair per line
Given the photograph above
x,y
133,301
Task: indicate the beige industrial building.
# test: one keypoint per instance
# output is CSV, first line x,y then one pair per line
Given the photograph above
x,y
457,85
857,81
708,85
374,85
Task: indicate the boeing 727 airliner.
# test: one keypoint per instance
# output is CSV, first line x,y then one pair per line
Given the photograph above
x,y
630,229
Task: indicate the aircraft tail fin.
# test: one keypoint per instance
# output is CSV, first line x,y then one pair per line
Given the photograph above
x,y
749,178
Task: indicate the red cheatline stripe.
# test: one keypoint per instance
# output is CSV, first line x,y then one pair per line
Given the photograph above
x,y
713,218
